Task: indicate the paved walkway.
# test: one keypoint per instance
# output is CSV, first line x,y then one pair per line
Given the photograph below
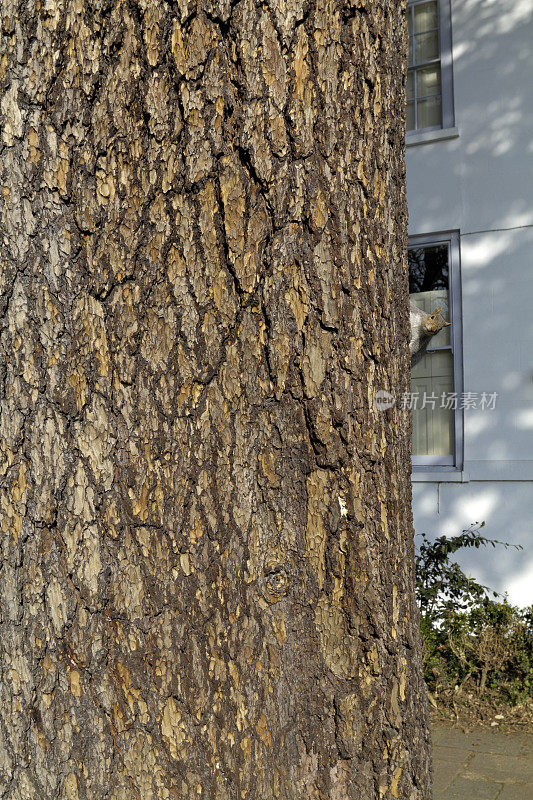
x,y
482,765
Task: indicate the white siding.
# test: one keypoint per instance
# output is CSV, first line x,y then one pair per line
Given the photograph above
x,y
480,183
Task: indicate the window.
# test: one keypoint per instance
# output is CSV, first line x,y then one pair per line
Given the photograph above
x,y
436,379
429,75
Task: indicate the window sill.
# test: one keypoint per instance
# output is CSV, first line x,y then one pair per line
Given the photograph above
x,y
440,475
474,471
426,137
500,470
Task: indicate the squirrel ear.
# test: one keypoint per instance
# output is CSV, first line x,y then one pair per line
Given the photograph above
x,y
437,310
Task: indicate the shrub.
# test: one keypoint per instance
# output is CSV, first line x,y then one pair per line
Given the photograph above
x,y
471,636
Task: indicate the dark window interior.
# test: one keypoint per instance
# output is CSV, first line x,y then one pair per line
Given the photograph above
x,y
428,268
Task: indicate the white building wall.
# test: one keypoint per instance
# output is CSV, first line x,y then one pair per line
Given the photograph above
x,y
480,183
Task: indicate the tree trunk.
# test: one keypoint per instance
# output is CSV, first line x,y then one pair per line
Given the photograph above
x,y
207,576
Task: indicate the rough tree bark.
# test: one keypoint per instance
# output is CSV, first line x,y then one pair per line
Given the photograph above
x,y
206,576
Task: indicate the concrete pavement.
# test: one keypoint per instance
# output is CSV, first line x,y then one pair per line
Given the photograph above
x,y
484,764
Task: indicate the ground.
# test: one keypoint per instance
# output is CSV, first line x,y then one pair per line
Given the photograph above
x,y
482,763
469,711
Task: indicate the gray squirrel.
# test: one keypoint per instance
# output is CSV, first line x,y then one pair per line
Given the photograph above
x,y
423,327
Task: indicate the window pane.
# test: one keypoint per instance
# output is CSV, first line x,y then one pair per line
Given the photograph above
x,y
409,86
410,21
428,268
426,16
426,47
429,301
429,112
410,116
428,80
433,426
428,284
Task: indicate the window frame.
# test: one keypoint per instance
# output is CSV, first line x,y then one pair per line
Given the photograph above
x,y
446,67
439,464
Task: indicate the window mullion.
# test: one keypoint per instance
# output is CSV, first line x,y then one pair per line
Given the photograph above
x,y
427,63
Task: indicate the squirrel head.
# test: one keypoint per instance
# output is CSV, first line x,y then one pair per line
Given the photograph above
x,y
435,322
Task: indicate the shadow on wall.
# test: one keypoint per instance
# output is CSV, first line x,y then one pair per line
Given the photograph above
x,y
482,175
491,63
495,503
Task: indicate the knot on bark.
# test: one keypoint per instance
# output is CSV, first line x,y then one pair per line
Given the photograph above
x,y
276,581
